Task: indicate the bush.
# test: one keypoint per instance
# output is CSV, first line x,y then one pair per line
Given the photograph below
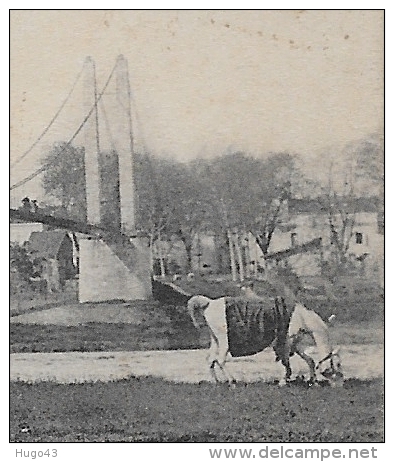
x,y
21,270
20,262
19,286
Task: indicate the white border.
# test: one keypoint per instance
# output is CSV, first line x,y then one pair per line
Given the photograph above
x,y
175,451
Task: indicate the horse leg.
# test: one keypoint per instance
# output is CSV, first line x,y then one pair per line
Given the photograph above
x,y
309,361
212,357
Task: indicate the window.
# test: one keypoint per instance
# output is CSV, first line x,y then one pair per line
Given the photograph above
x,y
359,238
334,237
293,238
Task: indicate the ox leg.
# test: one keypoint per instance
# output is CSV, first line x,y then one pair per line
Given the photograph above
x,y
223,351
212,357
283,354
286,364
309,361
288,373
217,357
216,320
212,371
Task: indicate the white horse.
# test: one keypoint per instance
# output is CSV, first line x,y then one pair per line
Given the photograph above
x,y
302,322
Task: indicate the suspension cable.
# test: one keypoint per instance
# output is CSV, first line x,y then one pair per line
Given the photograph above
x,y
45,131
48,164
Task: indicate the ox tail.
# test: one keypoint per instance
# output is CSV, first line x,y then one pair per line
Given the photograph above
x,y
191,312
196,306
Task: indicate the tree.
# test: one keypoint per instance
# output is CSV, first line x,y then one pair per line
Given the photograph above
x,y
340,206
170,201
246,194
276,188
341,218
370,159
224,192
370,168
64,179
152,213
187,204
363,177
231,195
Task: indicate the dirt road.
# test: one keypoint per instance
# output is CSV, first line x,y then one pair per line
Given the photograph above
x,y
359,361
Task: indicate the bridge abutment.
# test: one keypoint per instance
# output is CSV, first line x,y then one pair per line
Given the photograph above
x,y
113,271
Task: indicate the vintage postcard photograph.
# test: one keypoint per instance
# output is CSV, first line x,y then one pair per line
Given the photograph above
x,y
197,229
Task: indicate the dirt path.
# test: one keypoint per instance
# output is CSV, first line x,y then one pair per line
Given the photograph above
x,y
359,361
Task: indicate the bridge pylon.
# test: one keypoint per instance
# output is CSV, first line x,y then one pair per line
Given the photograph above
x,y
116,265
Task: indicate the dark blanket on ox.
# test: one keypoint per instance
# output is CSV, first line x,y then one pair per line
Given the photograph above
x,y
254,324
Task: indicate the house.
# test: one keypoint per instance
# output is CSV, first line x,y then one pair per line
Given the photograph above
x,y
52,254
309,220
304,227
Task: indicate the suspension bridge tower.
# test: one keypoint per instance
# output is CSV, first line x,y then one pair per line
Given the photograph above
x,y
116,264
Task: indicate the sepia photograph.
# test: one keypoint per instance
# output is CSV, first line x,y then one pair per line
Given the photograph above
x,y
196,228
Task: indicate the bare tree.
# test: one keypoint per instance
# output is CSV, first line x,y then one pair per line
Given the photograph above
x,y
341,214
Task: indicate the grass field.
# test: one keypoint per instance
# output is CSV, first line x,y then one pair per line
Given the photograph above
x,y
152,410
27,338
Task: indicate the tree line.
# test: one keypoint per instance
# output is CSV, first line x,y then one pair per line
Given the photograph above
x,y
229,195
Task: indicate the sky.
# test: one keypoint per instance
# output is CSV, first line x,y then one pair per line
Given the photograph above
x,y
203,82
